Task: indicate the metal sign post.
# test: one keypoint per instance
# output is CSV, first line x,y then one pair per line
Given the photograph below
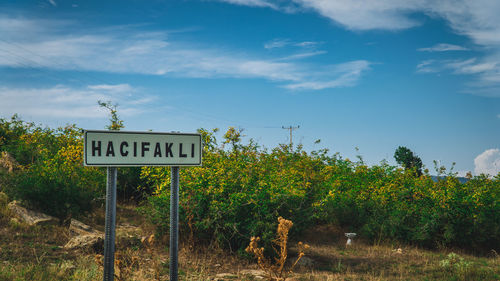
x,y
113,149
109,238
174,223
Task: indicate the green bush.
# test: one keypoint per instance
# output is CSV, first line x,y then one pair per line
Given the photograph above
x,y
241,191
55,193
51,177
396,205
238,193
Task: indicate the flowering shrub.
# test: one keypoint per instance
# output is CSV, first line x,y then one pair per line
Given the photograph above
x,y
241,190
240,193
397,205
52,177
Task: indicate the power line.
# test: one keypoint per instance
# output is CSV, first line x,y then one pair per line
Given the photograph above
x,y
52,61
37,66
291,128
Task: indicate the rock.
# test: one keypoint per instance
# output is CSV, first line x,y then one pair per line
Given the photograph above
x,y
88,241
305,261
8,162
398,251
129,229
66,266
225,276
31,217
256,273
85,237
79,228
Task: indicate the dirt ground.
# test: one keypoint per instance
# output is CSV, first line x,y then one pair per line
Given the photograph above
x,y
37,253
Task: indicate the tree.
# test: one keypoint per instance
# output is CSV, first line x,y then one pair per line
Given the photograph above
x,y
408,160
233,136
116,122
129,178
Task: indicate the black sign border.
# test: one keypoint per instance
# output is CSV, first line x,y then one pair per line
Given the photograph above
x,y
138,133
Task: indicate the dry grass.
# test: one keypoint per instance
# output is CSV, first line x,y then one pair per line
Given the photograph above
x,y
35,253
361,261
276,271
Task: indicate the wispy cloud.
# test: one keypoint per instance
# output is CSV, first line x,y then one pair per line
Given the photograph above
x,y
427,66
476,19
486,72
53,3
472,66
125,50
345,75
277,43
458,66
361,15
120,88
281,43
443,47
302,55
307,44
253,3
66,102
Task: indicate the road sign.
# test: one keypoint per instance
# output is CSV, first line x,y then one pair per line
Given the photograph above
x,y
121,148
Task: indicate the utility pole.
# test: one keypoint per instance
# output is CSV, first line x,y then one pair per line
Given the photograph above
x,y
291,128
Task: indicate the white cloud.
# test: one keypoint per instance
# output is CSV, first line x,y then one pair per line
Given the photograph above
x,y
488,162
19,28
277,43
302,55
486,72
53,3
443,47
253,3
307,44
476,19
367,14
120,88
357,15
125,50
66,102
280,43
482,67
346,75
427,66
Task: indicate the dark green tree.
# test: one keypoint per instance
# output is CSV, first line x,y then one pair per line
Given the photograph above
x,y
406,158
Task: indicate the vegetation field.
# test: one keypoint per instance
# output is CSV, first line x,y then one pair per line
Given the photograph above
x,y
409,226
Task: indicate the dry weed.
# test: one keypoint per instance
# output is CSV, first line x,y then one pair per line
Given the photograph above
x,y
276,271
128,261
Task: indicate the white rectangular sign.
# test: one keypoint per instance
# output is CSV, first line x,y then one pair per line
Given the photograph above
x,y
121,148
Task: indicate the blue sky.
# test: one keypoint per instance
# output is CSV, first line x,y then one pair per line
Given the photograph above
x,y
370,74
